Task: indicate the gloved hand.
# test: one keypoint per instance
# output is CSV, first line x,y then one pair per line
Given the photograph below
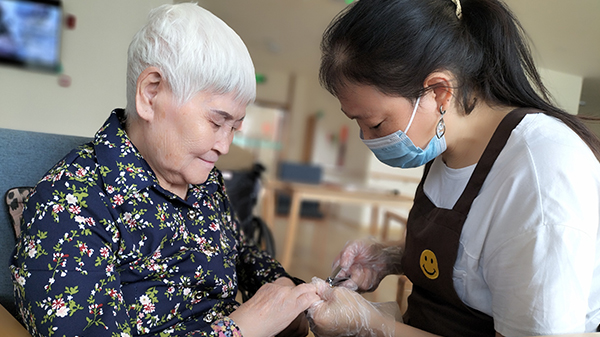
x,y
343,312
367,262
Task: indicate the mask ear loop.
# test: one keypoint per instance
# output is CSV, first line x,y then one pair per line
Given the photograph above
x,y
440,129
413,115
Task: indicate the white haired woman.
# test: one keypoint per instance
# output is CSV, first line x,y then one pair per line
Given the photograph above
x,y
133,234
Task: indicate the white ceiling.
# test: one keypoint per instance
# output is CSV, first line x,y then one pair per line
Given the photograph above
x,y
285,34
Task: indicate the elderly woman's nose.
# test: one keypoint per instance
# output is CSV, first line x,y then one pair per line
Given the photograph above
x,y
223,142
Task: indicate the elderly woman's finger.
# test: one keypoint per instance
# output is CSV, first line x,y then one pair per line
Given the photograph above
x,y
306,295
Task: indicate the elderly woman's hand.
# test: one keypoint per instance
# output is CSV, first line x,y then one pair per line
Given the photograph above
x,y
299,326
273,307
344,312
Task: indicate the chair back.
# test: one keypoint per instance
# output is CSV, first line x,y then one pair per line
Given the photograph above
x,y
25,156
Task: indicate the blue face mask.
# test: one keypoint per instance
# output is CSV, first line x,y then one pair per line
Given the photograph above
x,y
398,150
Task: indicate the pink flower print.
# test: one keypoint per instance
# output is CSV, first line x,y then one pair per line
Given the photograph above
x,y
90,221
71,199
31,248
62,311
57,208
58,303
118,199
112,293
74,209
58,176
81,172
110,189
104,252
131,223
148,308
60,307
83,248
144,299
214,227
20,280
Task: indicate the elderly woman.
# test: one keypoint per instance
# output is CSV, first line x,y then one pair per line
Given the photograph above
x,y
133,234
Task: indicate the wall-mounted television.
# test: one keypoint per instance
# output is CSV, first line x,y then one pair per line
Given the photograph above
x,y
30,34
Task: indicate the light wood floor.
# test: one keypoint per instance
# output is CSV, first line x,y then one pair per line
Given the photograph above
x,y
318,243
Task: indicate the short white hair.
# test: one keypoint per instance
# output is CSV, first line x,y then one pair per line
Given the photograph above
x,y
195,50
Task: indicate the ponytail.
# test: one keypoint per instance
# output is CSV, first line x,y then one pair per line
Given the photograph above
x,y
395,44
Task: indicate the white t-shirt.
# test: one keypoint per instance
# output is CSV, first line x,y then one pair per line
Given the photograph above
x,y
527,254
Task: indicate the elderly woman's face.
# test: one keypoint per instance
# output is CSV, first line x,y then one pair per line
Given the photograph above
x,y
186,141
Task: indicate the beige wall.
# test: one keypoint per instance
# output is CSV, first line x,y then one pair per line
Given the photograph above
x,y
565,89
93,55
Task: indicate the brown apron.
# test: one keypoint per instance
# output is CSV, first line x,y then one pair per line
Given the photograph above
x,y
432,241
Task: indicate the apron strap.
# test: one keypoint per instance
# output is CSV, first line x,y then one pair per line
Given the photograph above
x,y
485,163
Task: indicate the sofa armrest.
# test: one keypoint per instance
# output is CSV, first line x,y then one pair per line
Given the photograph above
x,y
10,326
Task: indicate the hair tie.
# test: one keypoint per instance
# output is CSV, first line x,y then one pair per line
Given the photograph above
x,y
458,9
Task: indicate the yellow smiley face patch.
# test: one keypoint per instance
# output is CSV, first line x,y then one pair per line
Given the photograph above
x,y
429,265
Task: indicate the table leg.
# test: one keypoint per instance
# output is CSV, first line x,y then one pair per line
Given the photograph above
x,y
374,220
290,235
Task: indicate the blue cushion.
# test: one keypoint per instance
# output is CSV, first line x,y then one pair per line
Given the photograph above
x,y
25,157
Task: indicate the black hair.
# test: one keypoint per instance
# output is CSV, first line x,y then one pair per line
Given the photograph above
x,y
394,45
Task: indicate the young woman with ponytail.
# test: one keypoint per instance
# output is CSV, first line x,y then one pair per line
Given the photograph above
x,y
503,234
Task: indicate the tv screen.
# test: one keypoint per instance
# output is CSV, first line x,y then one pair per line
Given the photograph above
x,y
30,33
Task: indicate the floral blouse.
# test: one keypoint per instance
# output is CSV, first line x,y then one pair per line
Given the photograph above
x,y
106,251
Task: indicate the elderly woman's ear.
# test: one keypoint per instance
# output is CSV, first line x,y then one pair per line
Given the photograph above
x,y
149,84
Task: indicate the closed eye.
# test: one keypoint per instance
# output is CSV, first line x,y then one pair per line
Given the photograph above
x,y
236,126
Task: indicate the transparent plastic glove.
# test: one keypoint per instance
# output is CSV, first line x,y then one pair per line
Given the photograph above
x,y
367,262
343,312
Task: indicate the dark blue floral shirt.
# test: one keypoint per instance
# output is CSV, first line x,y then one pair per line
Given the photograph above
x,y
106,251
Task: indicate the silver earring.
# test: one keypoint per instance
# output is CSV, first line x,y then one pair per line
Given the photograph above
x,y
440,129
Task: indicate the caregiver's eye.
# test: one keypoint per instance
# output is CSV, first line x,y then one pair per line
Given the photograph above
x,y
376,126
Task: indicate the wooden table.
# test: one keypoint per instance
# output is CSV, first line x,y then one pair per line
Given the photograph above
x,y
327,193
